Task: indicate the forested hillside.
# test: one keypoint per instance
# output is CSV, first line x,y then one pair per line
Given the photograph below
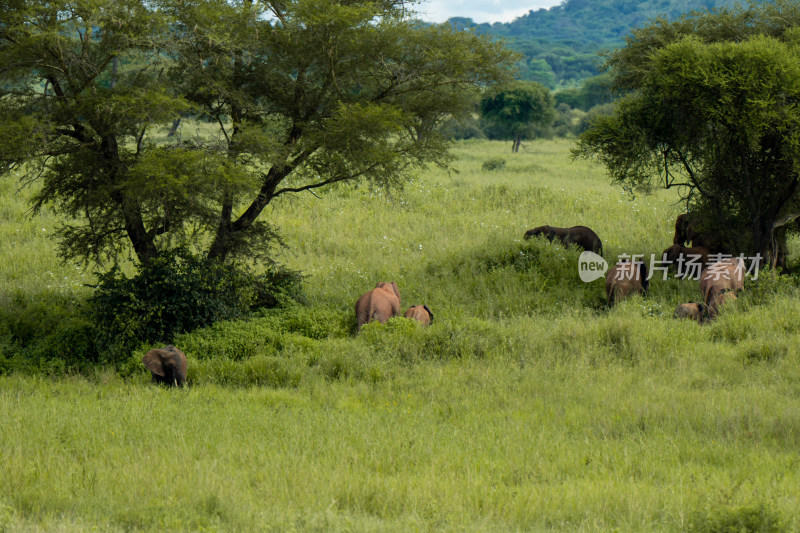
x,y
560,45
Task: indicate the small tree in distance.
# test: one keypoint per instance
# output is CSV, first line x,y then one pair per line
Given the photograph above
x,y
514,110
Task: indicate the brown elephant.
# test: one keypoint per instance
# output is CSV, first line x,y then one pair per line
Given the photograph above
x,y
421,313
168,365
720,299
381,304
687,258
581,236
723,276
626,278
698,312
686,233
683,230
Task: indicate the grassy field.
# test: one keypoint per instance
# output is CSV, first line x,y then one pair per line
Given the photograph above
x,y
527,405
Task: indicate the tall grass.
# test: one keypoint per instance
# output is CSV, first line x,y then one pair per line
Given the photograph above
x,y
526,405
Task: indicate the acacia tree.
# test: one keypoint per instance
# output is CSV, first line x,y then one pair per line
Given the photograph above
x,y
302,94
710,106
516,109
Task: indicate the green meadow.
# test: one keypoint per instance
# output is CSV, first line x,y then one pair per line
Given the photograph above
x,y
527,405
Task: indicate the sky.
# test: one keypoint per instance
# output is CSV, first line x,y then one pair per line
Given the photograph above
x,y
479,10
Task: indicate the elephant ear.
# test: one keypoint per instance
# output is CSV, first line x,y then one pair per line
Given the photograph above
x,y
643,276
396,290
154,361
430,314
181,364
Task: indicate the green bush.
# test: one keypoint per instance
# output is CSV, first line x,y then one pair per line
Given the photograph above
x,y
757,518
176,293
46,333
496,163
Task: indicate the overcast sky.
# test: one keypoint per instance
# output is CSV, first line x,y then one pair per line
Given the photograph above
x,y
479,10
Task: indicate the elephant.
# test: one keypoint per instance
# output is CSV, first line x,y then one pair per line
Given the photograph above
x,y
699,312
685,233
683,230
723,276
581,236
625,278
381,304
687,257
720,299
168,365
421,313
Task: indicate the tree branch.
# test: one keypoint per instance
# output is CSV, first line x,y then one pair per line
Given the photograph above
x,y
785,220
692,176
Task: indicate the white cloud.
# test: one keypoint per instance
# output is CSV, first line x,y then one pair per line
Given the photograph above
x,y
479,10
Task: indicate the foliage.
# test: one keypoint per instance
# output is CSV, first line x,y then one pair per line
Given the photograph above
x,y
716,119
560,45
594,114
515,110
758,518
411,428
47,334
302,94
468,127
493,164
176,293
592,92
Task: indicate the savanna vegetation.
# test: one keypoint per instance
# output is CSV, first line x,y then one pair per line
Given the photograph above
x,y
526,405
709,107
258,172
560,46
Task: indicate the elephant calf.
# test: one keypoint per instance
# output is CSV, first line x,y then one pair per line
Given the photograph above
x,y
698,312
421,313
626,278
581,236
381,304
168,365
718,300
720,277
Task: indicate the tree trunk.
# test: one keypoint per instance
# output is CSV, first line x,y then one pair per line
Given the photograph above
x,y
114,70
141,240
228,232
516,143
174,129
222,240
764,244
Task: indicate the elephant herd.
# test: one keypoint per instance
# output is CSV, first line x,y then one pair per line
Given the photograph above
x,y
383,302
720,279
168,365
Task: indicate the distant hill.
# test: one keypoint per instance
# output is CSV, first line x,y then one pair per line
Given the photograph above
x,y
560,45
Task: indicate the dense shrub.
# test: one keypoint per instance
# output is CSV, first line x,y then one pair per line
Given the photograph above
x,y
176,293
46,333
496,163
753,518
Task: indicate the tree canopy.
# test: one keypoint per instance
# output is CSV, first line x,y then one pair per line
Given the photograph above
x,y
296,96
515,110
710,106
560,45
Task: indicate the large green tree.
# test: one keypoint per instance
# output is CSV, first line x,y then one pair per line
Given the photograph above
x,y
294,96
711,106
513,111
